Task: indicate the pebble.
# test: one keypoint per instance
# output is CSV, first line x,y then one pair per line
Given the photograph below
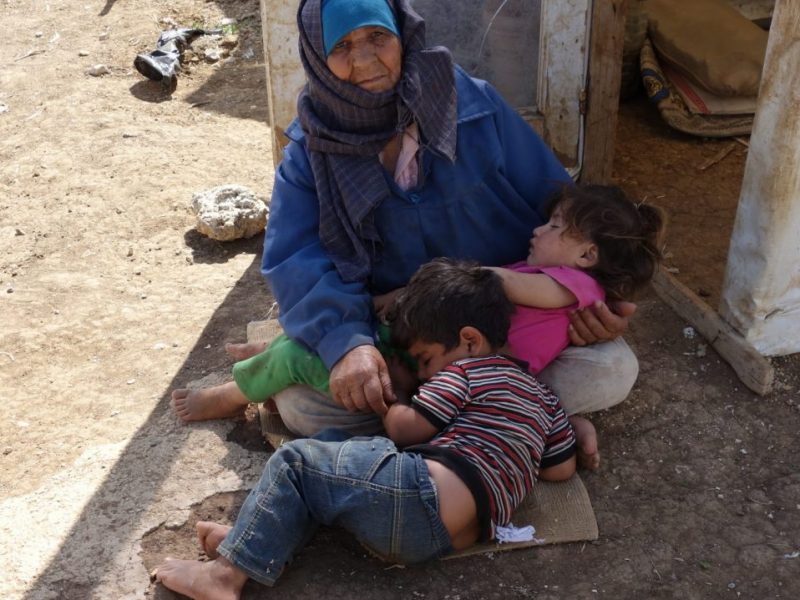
x,y
229,41
83,53
103,36
98,70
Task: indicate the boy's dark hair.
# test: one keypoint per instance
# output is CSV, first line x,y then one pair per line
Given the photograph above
x,y
627,235
445,295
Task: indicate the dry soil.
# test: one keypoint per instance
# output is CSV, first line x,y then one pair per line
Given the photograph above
x,y
110,299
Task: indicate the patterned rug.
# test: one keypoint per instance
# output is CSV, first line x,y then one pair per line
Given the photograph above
x,y
674,110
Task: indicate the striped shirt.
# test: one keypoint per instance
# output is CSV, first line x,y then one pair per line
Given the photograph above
x,y
498,425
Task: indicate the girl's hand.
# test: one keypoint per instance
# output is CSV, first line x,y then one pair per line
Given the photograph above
x,y
600,323
384,303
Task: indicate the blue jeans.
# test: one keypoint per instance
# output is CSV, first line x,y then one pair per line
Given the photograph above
x,y
365,485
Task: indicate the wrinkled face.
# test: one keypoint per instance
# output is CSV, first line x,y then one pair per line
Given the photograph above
x,y
552,246
432,357
369,57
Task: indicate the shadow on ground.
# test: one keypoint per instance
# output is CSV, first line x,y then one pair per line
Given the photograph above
x,y
63,573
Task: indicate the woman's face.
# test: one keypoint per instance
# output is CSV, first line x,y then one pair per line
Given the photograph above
x,y
369,57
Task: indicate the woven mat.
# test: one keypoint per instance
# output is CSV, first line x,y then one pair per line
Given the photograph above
x,y
560,512
673,109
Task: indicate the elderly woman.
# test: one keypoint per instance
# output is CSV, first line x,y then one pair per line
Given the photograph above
x,y
398,157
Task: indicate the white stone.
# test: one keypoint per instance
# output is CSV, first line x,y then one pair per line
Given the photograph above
x,y
98,70
229,212
229,41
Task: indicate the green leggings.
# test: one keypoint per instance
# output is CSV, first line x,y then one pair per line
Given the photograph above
x,y
285,363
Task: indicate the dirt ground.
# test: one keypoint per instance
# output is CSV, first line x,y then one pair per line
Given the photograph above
x,y
110,299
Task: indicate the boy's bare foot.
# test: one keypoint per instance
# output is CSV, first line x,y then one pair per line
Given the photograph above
x,y
210,536
586,435
245,350
217,402
215,580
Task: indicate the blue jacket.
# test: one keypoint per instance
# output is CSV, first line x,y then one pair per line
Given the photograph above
x,y
482,207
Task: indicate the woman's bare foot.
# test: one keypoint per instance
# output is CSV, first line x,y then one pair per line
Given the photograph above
x,y
215,580
210,536
586,435
246,350
216,402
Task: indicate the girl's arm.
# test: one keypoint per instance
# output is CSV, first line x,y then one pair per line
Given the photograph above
x,y
534,289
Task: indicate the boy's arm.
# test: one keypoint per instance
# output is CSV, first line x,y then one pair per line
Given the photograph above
x,y
560,472
406,426
534,289
437,402
560,447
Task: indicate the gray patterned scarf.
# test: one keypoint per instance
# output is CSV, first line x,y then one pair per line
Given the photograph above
x,y
346,127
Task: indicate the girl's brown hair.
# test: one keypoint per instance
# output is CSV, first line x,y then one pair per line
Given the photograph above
x,y
627,235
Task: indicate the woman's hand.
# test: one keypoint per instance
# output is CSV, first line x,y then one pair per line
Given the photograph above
x,y
600,323
360,381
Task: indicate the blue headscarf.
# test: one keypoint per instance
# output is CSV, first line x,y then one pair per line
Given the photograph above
x,y
340,17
